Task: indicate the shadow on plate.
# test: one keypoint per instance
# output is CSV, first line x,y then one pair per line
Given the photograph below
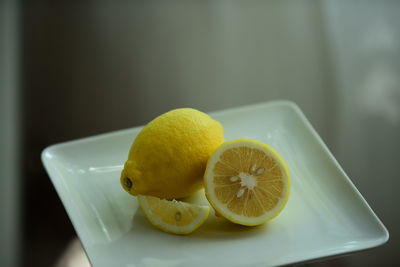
x,y
214,228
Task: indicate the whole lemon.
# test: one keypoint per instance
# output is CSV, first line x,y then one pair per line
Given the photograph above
x,y
169,155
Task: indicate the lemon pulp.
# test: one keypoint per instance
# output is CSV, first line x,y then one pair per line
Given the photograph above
x,y
247,182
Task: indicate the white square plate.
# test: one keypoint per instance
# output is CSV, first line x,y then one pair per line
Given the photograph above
x,y
325,215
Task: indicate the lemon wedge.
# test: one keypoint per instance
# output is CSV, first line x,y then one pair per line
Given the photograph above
x,y
173,216
247,182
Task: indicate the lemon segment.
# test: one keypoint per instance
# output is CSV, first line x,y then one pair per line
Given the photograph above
x,y
173,216
169,155
247,182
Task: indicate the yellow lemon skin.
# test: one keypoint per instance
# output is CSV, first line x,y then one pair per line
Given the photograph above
x,y
169,155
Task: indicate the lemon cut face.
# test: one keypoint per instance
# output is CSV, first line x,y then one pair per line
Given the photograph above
x,y
247,182
173,216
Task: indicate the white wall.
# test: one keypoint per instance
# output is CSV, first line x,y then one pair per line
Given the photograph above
x,y
365,45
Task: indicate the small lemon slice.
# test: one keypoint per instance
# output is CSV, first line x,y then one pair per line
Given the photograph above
x,y
173,216
247,182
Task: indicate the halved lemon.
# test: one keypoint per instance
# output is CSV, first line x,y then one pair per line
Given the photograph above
x,y
247,182
173,216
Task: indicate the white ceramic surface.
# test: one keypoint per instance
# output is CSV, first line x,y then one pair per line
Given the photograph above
x,y
325,215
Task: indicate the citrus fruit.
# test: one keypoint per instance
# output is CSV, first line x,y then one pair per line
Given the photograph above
x,y
173,216
169,155
247,182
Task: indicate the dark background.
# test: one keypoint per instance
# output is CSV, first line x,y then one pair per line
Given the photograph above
x,y
97,66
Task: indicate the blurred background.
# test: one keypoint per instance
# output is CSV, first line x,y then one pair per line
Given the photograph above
x,y
74,69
